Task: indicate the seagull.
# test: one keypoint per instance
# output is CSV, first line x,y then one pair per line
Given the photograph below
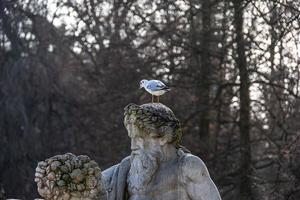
x,y
154,87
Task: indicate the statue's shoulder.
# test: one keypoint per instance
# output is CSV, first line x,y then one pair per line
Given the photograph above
x,y
192,167
108,173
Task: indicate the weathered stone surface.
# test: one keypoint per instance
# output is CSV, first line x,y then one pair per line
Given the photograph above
x,y
66,177
156,119
157,169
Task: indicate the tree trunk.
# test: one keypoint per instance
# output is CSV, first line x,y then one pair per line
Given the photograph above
x,y
9,31
205,76
244,121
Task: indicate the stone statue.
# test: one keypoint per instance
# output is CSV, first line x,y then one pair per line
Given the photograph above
x,y
158,167
64,177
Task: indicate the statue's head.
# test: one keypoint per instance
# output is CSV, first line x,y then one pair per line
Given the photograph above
x,y
153,122
153,129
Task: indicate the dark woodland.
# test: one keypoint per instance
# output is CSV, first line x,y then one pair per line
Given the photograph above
x,y
69,67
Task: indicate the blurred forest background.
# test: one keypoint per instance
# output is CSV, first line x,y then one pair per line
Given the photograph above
x,y
69,67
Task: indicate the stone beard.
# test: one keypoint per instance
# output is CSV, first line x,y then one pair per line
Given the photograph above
x,y
143,167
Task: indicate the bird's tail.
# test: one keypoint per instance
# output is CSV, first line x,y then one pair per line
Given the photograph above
x,y
167,89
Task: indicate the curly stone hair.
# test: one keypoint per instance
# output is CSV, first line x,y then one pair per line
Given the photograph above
x,y
155,119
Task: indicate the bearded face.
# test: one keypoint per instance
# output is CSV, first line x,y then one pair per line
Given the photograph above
x,y
143,168
145,157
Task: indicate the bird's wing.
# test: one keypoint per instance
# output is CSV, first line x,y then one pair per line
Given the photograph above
x,y
156,85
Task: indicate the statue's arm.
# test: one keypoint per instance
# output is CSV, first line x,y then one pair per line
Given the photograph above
x,y
107,175
199,185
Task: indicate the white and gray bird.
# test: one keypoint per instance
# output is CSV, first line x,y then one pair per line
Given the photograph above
x,y
154,87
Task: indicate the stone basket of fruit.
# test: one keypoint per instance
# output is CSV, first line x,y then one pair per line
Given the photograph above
x,y
64,177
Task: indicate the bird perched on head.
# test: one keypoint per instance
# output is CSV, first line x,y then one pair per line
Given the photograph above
x,y
154,87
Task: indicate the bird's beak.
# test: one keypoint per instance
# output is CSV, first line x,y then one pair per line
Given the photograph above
x,y
141,87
